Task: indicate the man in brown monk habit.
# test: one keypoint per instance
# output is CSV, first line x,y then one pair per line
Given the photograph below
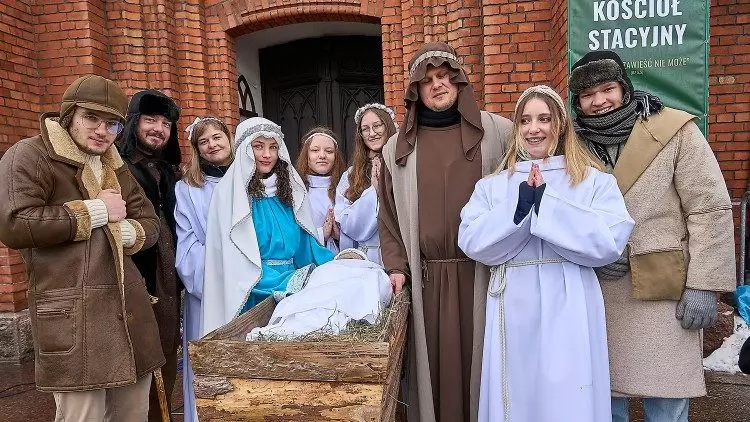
x,y
425,185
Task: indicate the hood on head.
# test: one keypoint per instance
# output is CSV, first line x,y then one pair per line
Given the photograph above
x,y
437,54
255,127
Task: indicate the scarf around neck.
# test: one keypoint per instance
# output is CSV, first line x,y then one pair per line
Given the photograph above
x,y
431,118
210,169
613,128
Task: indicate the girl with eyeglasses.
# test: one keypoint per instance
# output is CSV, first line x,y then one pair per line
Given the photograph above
x,y
356,207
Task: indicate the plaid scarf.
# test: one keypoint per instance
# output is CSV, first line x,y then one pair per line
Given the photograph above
x,y
613,128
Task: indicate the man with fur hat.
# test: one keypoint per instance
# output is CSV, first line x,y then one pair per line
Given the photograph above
x,y
150,147
73,209
424,186
662,292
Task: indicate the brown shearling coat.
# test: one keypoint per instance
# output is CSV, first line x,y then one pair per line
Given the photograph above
x,y
91,316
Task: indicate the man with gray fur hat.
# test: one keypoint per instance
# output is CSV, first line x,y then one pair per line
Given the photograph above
x,y
662,291
77,215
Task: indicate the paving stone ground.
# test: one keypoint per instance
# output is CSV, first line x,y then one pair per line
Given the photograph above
x,y
21,402
728,399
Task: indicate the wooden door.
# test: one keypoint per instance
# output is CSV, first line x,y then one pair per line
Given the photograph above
x,y
320,81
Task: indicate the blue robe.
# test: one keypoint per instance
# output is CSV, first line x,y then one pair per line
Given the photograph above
x,y
280,239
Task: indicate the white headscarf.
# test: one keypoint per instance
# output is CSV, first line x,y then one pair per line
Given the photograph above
x,y
233,262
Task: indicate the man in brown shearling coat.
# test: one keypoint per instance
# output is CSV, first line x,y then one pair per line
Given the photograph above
x,y
75,212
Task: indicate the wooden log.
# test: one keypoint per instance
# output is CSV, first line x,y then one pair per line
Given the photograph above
x,y
396,340
293,401
300,361
238,328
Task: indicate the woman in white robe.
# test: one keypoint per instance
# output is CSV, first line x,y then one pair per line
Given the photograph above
x,y
211,154
356,207
541,224
321,163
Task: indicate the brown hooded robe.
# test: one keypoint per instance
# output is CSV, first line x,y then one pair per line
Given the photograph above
x,y
419,237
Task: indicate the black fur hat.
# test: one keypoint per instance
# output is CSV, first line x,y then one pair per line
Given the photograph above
x,y
598,67
151,102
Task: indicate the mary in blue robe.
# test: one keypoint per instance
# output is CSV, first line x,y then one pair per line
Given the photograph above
x,y
260,238
286,249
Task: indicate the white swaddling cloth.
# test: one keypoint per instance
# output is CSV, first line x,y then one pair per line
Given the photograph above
x,y
336,293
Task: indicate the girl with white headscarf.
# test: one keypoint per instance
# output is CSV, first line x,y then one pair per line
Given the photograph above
x,y
542,222
260,237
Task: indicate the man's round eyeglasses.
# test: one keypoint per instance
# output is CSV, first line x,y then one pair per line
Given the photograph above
x,y
92,122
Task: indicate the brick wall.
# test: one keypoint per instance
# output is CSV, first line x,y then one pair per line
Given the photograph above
x,y
187,49
19,107
729,90
19,96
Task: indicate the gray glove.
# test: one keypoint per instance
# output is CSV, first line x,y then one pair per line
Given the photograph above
x,y
697,309
615,270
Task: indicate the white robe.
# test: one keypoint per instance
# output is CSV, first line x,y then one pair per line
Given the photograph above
x,y
556,340
320,203
337,292
358,220
190,218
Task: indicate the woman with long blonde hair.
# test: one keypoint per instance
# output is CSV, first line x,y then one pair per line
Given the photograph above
x,y
212,151
356,207
541,223
320,164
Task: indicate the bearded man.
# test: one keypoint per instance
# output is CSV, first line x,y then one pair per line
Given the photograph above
x,y
150,147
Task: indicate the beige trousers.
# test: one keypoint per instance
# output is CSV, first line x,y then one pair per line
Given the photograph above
x,y
120,404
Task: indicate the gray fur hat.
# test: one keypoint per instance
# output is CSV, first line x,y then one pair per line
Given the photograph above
x,y
598,67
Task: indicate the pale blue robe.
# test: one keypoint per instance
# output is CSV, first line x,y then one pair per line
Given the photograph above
x,y
554,326
320,203
358,220
190,217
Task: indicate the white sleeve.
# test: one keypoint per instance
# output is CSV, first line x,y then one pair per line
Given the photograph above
x,y
128,233
191,252
487,233
358,220
590,235
97,212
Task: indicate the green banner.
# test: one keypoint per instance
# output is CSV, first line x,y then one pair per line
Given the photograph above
x,y
663,43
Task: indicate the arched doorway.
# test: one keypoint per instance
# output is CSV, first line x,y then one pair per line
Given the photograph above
x,y
321,81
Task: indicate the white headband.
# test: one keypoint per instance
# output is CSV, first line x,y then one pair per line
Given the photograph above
x,y
321,134
361,111
544,89
429,54
197,120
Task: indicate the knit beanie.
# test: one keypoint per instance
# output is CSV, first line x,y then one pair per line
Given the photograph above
x,y
598,67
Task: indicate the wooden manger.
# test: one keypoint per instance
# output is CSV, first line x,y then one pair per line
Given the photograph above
x,y
311,381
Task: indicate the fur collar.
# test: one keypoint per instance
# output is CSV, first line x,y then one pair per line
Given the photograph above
x,y
63,148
